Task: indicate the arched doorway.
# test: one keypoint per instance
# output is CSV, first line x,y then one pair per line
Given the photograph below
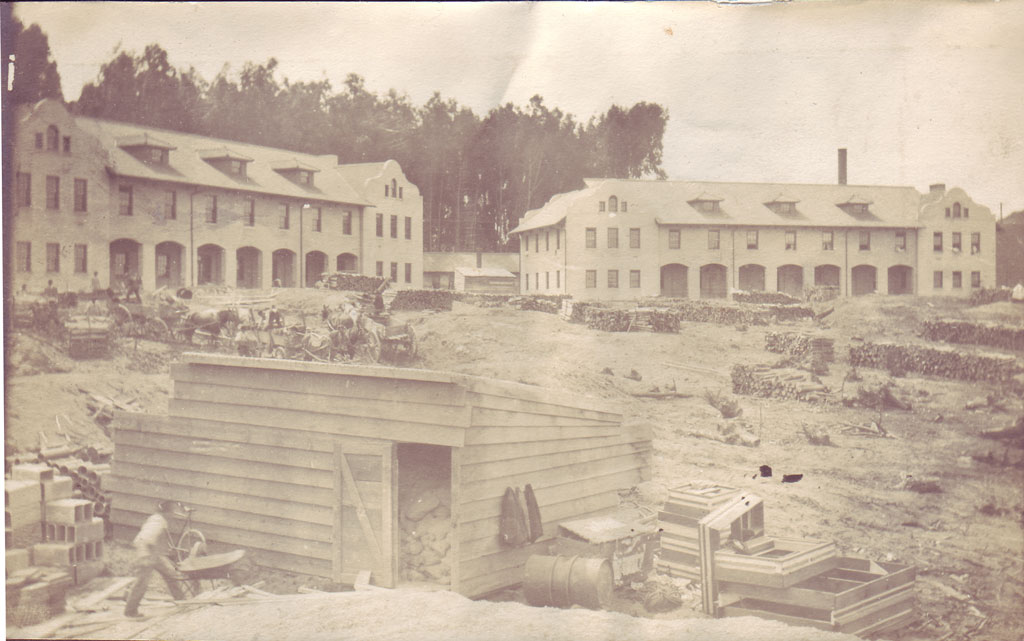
x,y
863,280
751,278
316,264
250,268
169,262
347,263
713,281
826,276
283,268
791,280
901,279
210,267
673,281
124,260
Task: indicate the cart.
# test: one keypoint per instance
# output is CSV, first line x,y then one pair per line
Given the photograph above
x,y
210,567
158,322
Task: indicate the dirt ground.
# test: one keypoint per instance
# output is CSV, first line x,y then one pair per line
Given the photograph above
x,y
966,541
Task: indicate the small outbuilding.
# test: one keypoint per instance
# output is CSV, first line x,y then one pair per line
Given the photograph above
x,y
330,470
485,280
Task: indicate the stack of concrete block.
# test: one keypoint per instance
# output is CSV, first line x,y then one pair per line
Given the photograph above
x,y
23,512
74,539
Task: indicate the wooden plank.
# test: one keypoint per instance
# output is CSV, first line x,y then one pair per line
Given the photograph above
x,y
777,580
482,417
485,435
510,558
551,513
569,472
451,415
675,519
489,401
90,601
569,490
185,445
238,482
349,485
314,421
360,387
533,393
868,610
388,518
484,471
475,454
881,624
740,610
195,359
877,586
224,431
457,480
338,522
215,464
791,596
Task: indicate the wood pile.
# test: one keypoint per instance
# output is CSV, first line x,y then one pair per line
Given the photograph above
x,y
761,298
535,304
425,524
818,350
986,296
420,299
943,363
638,320
352,282
966,332
766,382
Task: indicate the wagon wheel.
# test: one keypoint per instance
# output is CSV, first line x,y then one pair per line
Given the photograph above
x,y
279,352
121,315
191,544
157,330
369,347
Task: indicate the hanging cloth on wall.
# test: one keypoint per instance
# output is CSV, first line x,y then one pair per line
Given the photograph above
x,y
512,529
536,524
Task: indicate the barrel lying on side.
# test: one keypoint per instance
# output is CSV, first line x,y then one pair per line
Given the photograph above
x,y
563,581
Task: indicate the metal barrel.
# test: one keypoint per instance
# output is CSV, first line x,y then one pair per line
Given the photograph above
x,y
563,581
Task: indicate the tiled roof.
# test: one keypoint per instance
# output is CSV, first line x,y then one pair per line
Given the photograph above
x,y
742,204
187,165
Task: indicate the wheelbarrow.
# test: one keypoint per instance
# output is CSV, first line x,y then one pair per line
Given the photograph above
x,y
208,567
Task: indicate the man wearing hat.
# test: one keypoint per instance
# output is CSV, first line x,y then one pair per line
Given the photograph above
x,y
152,545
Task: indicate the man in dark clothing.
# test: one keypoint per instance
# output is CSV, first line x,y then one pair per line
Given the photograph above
x,y
134,285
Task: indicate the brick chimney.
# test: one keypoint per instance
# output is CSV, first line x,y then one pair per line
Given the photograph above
x,y
937,189
842,166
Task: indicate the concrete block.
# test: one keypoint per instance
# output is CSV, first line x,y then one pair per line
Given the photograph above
x,y
25,536
38,472
56,554
88,570
18,493
93,530
69,511
23,516
18,559
58,489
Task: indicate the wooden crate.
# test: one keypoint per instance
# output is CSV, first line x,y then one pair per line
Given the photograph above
x,y
856,596
685,507
786,563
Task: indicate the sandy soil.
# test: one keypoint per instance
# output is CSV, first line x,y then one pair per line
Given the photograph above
x,y
966,541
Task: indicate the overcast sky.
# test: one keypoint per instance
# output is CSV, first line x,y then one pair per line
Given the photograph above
x,y
919,92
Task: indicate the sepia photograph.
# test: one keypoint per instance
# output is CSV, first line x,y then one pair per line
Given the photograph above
x,y
514,321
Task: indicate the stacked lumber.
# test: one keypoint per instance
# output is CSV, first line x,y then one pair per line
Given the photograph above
x,y
685,507
34,594
944,363
767,382
352,282
425,525
966,332
637,320
420,299
88,336
608,320
761,298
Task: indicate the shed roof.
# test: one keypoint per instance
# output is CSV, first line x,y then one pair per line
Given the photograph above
x,y
489,272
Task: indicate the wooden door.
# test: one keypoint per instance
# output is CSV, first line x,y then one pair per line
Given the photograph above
x,y
364,511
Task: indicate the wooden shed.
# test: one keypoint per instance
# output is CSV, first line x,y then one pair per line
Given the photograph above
x,y
306,464
485,280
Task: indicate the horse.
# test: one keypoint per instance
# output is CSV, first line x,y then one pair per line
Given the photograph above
x,y
209,321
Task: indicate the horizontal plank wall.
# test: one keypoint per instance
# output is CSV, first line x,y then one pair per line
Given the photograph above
x,y
576,459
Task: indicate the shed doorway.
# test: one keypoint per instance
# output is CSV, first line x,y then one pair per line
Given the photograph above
x,y
425,513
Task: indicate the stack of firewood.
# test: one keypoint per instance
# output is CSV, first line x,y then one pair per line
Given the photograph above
x,y
417,299
766,382
1000,336
944,363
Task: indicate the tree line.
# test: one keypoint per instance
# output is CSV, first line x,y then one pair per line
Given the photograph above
x,y
478,174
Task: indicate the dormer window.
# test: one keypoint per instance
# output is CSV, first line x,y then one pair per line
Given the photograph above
x,y
52,138
236,167
394,188
706,203
146,148
613,204
296,171
856,206
956,210
156,155
226,160
782,207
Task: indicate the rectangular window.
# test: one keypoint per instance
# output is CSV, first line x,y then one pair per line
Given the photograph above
x,y
401,192
547,241
901,241
967,213
387,190
828,242
52,192
600,206
613,238
975,280
23,256
937,241
547,280
947,212
250,212
975,243
394,272
625,207
346,223
394,226
318,218
634,278
380,225
124,194
613,278
24,189
591,237
284,217
536,280
67,144
408,228
211,209
236,167
752,239
53,258
714,239
408,272
81,194
791,240
81,259
865,241
957,246
171,205
536,242
591,278
673,239
937,280
957,280
634,238
380,269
